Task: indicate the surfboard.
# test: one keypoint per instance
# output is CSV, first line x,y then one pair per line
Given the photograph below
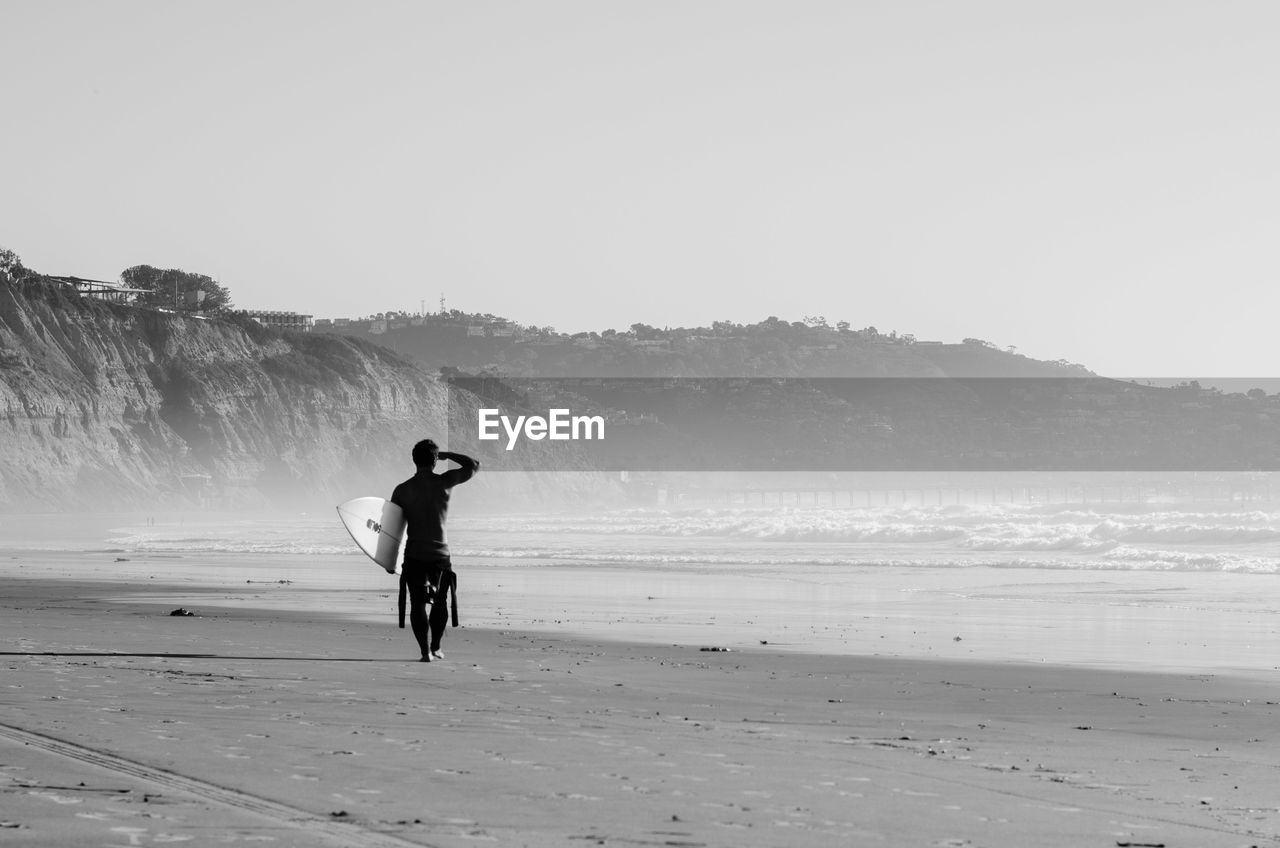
x,y
377,526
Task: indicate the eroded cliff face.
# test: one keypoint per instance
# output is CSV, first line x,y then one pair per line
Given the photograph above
x,y
116,407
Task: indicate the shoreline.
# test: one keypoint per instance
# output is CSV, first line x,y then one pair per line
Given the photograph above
x,y
1175,621
532,738
103,597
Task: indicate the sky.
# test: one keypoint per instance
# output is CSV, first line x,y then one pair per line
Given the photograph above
x,y
1094,181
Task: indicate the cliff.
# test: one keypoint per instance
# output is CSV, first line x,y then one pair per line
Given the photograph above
x,y
119,407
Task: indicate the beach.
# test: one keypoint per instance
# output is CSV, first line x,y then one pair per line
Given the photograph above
x,y
631,706
836,424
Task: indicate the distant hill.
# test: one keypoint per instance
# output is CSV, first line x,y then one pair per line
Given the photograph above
x,y
769,348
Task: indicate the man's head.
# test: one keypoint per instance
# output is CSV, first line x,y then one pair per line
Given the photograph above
x,y
425,454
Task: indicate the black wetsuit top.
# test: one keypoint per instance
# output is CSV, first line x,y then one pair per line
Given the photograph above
x,y
424,497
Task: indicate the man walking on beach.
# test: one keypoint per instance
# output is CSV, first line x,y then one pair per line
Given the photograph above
x,y
427,571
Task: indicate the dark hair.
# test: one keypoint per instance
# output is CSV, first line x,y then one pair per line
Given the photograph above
x,y
425,453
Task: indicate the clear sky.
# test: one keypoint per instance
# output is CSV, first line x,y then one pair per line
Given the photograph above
x,y
1096,181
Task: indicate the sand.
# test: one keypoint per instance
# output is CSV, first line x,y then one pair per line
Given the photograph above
x,y
296,713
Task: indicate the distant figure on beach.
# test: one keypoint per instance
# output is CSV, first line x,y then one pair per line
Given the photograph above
x,y
427,571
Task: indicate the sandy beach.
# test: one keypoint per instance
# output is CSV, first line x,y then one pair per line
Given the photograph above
x,y
295,713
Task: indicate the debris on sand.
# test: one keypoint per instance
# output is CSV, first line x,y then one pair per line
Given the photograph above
x,y
715,650
182,612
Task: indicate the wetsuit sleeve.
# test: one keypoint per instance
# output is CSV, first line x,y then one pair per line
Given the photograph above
x,y
397,497
467,470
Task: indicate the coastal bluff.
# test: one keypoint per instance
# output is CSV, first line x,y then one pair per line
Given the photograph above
x,y
114,407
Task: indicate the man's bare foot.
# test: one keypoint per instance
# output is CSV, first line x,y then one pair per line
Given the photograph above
x,y
425,658
437,654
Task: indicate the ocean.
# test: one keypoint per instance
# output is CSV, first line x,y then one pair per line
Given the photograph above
x,y
1116,537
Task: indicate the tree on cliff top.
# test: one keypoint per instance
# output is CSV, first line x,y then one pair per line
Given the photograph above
x,y
11,267
173,288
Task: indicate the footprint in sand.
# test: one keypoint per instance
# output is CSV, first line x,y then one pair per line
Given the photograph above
x,y
692,777
478,835
132,834
55,798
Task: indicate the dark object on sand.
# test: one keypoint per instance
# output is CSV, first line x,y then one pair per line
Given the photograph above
x,y
182,611
715,650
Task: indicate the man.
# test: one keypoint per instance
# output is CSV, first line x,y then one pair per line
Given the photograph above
x,y
427,571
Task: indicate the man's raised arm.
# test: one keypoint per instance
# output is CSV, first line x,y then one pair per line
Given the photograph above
x,y
467,467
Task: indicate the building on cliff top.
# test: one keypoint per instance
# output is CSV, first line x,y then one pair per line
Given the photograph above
x,y
277,320
101,289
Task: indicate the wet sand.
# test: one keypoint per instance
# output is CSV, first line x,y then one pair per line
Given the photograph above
x,y
278,716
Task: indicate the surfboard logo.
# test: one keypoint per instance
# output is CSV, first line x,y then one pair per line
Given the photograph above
x,y
374,526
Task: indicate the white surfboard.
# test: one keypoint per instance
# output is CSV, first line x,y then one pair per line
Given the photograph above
x,y
377,526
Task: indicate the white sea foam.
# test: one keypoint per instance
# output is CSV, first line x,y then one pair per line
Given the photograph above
x,y
1187,532
304,537
907,524
1044,541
